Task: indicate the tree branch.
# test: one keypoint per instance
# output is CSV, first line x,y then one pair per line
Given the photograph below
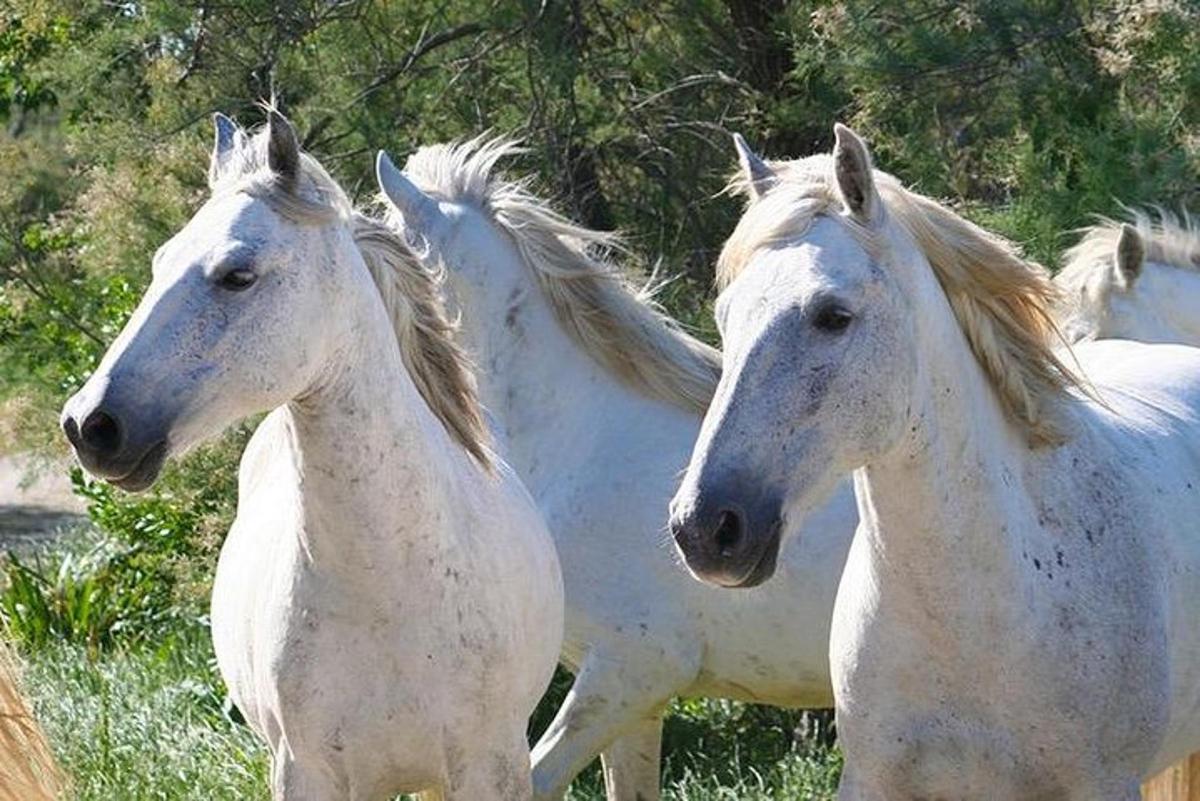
x,y
422,48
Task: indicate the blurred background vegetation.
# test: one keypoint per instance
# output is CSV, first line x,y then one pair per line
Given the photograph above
x,y
1029,116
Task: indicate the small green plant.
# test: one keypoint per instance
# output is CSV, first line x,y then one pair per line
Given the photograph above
x,y
94,594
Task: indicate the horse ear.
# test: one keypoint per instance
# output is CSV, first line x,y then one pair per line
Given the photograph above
x,y
855,175
283,148
420,212
1130,255
758,175
228,138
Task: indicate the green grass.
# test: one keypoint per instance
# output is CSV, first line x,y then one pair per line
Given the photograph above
x,y
142,714
144,723
149,723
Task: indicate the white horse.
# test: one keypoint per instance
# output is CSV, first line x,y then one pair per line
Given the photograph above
x,y
597,398
1018,616
1138,280
387,609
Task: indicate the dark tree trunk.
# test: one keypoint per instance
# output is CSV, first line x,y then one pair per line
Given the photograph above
x,y
584,189
768,57
766,53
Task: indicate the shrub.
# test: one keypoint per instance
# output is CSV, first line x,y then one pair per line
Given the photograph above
x,y
145,564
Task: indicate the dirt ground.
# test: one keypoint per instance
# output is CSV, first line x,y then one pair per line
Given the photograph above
x,y
35,505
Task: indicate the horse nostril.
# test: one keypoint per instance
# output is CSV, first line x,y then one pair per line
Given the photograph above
x,y
71,429
729,532
100,432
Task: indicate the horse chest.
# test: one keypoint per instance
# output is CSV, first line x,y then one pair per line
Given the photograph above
x,y
285,636
1052,659
294,652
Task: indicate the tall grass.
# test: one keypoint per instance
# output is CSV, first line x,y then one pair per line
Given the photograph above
x,y
151,724
144,724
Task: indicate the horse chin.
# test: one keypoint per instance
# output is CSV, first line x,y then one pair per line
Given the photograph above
x,y
145,472
764,568
759,570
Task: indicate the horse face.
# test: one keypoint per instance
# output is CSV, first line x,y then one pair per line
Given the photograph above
x,y
233,323
796,407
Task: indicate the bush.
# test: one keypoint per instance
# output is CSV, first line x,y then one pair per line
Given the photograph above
x,y
92,597
144,566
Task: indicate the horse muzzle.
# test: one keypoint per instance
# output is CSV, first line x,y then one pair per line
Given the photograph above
x,y
724,545
120,447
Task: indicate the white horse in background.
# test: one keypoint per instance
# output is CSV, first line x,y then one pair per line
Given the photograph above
x,y
596,398
1018,616
1136,280
387,610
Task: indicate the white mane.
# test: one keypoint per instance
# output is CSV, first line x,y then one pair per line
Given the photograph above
x,y
1170,240
617,325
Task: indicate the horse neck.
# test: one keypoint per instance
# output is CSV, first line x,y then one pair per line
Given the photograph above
x,y
941,508
372,458
530,369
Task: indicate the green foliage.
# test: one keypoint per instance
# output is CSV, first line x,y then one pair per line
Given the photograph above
x,y
90,597
24,40
1032,115
140,571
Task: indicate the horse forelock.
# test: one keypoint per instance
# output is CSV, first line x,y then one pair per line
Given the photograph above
x,y
313,197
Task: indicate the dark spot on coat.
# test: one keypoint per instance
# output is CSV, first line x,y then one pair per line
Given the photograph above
x,y
516,300
819,379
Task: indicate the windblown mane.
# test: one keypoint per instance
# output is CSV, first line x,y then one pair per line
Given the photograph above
x,y
620,327
1001,301
1168,240
435,362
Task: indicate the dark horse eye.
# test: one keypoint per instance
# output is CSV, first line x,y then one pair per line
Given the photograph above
x,y
237,280
832,319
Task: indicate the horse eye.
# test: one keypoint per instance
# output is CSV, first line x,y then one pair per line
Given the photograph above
x,y
833,319
237,280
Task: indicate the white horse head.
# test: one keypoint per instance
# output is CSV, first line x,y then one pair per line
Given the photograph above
x,y
228,327
1136,280
492,236
824,350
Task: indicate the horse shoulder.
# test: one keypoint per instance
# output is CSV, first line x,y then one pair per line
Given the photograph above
x,y
249,558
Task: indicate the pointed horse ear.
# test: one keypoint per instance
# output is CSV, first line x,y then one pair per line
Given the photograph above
x,y
228,138
1130,256
757,174
855,176
283,148
420,212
